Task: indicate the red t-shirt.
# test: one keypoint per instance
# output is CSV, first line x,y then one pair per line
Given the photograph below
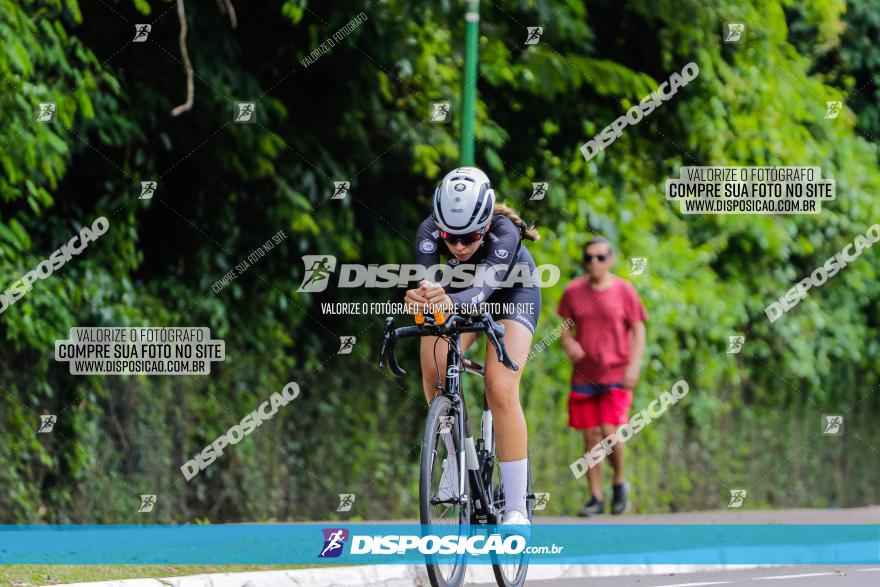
x,y
602,321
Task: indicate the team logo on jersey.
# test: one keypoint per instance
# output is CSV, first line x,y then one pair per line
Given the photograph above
x,y
502,253
427,246
493,238
453,261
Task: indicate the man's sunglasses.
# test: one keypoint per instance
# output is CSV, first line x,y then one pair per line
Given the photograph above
x,y
601,258
466,238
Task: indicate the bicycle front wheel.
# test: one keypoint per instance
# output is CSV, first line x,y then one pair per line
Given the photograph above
x,y
441,510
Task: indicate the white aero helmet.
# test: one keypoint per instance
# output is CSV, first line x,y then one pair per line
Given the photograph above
x,y
464,201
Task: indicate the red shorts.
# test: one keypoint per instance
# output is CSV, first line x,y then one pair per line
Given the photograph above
x,y
589,411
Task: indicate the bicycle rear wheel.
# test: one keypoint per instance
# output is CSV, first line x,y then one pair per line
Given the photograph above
x,y
440,511
510,569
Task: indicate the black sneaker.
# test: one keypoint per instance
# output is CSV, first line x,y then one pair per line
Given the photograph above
x,y
619,504
594,508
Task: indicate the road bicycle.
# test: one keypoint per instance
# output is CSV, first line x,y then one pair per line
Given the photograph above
x,y
464,508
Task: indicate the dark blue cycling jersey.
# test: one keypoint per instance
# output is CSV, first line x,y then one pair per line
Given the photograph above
x,y
497,250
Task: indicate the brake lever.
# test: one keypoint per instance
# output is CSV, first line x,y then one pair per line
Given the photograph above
x,y
387,353
389,327
393,365
493,335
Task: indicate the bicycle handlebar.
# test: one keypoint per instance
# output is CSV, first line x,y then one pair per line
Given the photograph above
x,y
455,324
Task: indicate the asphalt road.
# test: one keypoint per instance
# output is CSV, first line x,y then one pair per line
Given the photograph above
x,y
807,576
868,515
865,515
777,576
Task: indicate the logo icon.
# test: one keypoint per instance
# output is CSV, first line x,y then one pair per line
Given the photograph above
x,y
446,424
737,496
334,540
45,112
832,109
734,31
459,187
147,503
427,246
148,188
534,34
346,345
502,253
539,189
346,500
833,425
340,189
318,270
736,344
541,500
440,112
639,264
47,423
453,371
141,31
245,112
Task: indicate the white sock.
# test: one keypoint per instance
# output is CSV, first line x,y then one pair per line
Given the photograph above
x,y
514,479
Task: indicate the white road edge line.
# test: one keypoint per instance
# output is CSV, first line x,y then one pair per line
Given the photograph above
x,y
868,570
792,576
697,584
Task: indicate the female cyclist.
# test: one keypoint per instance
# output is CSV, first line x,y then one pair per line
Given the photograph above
x,y
467,226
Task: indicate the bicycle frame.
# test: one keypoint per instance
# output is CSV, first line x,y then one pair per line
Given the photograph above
x,y
476,461
473,465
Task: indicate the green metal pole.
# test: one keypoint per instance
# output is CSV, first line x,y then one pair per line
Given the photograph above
x,y
469,83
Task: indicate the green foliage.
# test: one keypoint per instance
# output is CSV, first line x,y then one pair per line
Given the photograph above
x,y
360,112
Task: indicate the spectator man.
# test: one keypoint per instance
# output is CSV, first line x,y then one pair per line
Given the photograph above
x,y
605,348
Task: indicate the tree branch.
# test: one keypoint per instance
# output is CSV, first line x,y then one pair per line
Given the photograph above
x,y
233,20
187,64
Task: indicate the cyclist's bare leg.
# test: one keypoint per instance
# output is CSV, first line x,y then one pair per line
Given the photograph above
x,y
427,354
616,456
511,435
592,437
502,393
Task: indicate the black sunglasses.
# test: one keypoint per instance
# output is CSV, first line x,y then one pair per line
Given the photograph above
x,y
466,238
601,258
